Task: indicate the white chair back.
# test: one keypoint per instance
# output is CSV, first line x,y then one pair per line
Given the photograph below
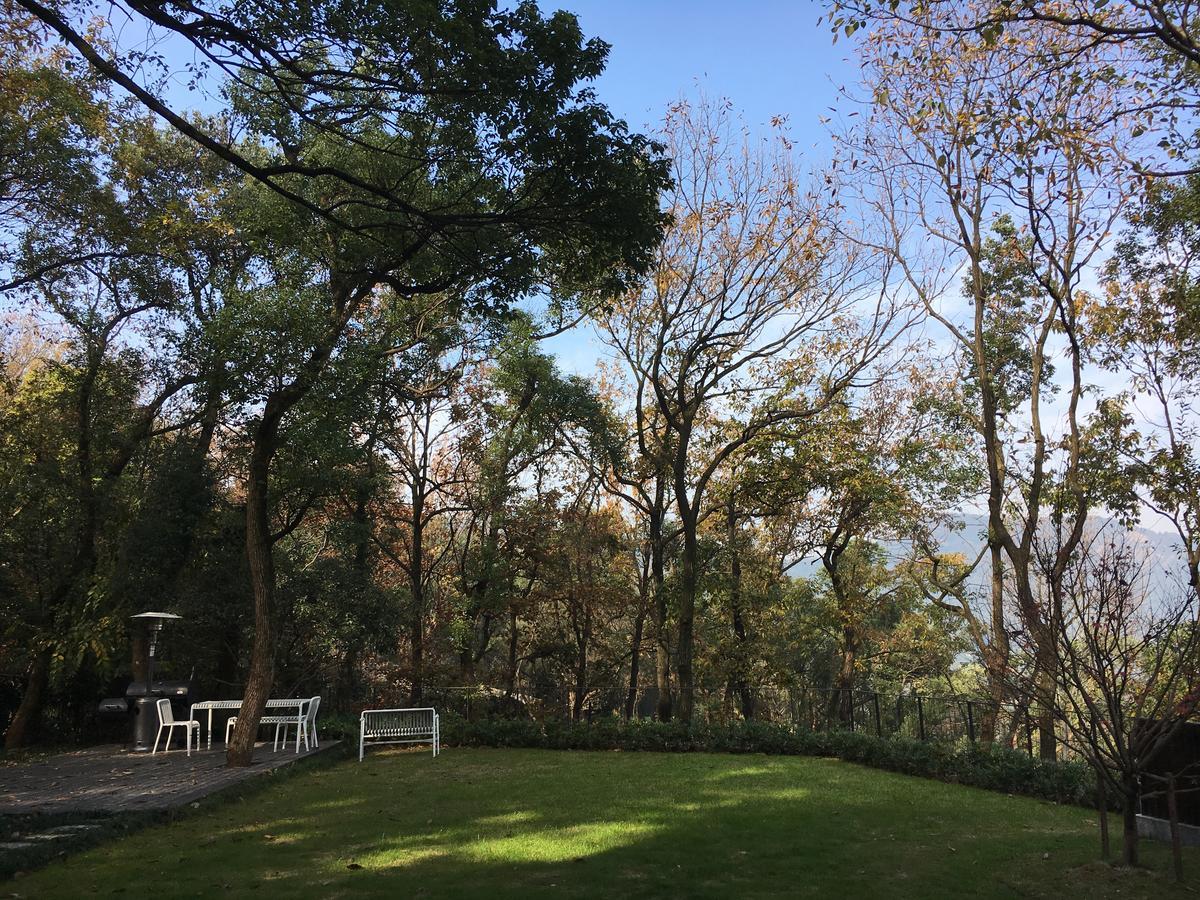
x,y
165,715
399,726
313,705
398,723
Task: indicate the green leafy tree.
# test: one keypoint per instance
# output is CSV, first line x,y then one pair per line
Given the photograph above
x,y
975,142
1147,325
751,288
386,158
533,414
88,254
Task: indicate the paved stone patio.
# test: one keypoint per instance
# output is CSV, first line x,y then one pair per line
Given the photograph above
x,y
111,779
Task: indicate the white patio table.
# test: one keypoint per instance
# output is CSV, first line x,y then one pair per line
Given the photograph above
x,y
297,704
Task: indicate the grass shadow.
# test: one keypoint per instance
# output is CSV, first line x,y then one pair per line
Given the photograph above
x,y
522,823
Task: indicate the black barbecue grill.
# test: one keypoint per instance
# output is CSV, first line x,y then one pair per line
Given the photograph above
x,y
142,708
140,703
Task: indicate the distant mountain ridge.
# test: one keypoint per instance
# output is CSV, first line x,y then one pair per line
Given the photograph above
x,y
1160,551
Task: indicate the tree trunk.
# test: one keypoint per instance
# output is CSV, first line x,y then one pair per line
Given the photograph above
x,y
417,638
478,619
841,707
30,709
997,653
416,572
1129,836
476,648
739,682
687,615
513,637
344,689
261,564
635,659
583,640
662,646
260,542
991,714
466,661
1046,689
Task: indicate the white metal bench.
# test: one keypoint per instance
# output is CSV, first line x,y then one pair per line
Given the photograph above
x,y
399,726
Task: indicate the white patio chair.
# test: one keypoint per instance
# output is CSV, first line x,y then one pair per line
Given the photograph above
x,y
311,719
282,722
167,720
309,724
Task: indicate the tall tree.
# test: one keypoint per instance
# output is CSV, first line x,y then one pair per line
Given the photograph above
x,y
387,157
531,416
977,142
641,477
90,254
751,289
1147,326
416,436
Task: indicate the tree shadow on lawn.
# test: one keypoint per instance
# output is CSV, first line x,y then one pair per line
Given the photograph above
x,y
501,824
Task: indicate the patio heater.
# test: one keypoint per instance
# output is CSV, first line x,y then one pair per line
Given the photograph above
x,y
145,708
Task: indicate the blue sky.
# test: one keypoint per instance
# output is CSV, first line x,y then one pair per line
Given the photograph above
x,y
769,58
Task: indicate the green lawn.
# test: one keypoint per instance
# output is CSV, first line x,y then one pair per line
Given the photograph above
x,y
528,823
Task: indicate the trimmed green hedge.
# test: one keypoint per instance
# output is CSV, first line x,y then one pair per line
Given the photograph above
x,y
997,770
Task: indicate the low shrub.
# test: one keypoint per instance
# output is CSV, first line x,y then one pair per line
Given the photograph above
x,y
340,726
993,769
